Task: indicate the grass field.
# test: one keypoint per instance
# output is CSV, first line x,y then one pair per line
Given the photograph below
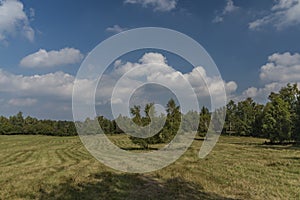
x,y
41,167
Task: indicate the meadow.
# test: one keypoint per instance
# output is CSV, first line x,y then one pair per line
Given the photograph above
x,y
48,167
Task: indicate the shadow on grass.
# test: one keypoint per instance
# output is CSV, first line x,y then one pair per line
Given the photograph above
x,y
109,185
268,145
279,146
199,139
138,148
293,158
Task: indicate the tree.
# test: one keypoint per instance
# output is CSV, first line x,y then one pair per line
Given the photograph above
x,y
190,122
245,117
172,122
290,94
276,122
106,125
143,123
136,112
257,124
5,126
29,123
169,130
204,121
296,130
17,121
230,126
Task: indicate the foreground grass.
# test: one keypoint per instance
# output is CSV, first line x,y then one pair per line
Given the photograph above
x,y
41,167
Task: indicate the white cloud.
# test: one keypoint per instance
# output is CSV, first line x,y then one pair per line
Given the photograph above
x,y
261,94
153,67
43,58
46,96
251,92
22,102
153,58
54,87
13,19
229,8
281,69
157,5
56,84
286,59
284,13
116,29
213,84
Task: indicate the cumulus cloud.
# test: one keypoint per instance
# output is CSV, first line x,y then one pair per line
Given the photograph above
x,y
56,84
229,8
283,13
13,19
22,102
157,5
154,68
116,29
43,58
261,94
45,96
281,69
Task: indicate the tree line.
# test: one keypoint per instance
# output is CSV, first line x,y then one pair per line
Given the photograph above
x,y
277,120
18,125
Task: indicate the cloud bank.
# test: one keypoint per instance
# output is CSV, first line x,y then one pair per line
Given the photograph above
x,y
51,93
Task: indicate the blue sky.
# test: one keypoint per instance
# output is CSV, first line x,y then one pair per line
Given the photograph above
x,y
255,44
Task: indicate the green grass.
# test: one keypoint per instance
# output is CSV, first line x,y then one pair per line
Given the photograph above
x,y
41,167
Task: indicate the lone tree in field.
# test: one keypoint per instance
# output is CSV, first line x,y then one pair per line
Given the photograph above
x,y
168,131
142,122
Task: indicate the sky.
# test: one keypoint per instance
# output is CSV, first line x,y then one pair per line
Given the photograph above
x,y
255,45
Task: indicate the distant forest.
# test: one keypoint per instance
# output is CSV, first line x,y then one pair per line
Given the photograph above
x,y
277,120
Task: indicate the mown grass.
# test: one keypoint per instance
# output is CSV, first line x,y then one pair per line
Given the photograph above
x,y
42,167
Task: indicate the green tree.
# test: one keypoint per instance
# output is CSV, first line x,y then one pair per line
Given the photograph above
x,y
296,130
5,126
245,117
257,123
230,126
144,124
136,112
172,122
276,122
29,123
204,121
17,121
